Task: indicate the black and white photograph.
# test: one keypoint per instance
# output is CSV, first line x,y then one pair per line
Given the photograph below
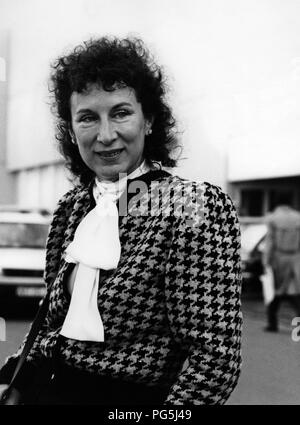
x,y
149,205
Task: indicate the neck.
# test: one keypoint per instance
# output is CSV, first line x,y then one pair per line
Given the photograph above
x,y
141,169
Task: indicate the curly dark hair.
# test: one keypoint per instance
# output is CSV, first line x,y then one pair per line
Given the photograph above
x,y
112,62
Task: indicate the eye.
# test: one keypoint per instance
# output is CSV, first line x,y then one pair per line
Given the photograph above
x,y
121,113
87,118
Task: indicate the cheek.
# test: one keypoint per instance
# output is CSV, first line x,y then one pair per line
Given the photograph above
x,y
85,150
134,134
85,139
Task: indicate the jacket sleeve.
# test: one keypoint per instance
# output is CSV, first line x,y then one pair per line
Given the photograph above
x,y
203,284
53,255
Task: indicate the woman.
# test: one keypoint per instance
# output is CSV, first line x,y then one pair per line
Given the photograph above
x,y
142,266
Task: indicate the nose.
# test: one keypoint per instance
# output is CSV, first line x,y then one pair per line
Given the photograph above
x,y
106,132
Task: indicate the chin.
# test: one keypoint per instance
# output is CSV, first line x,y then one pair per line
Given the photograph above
x,y
112,172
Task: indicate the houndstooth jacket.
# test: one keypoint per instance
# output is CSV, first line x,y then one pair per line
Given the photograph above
x,y
171,310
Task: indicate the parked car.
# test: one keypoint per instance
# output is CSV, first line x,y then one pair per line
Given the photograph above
x,y
23,234
253,236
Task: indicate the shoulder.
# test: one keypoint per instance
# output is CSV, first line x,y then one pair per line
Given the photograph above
x,y
295,214
64,210
209,189
212,197
77,192
269,217
67,202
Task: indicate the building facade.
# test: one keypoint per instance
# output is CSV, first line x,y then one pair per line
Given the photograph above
x,y
8,193
234,73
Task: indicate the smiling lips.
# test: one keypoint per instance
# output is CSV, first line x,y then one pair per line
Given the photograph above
x,y
111,154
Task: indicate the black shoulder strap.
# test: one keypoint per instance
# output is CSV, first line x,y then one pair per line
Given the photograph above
x,y
33,332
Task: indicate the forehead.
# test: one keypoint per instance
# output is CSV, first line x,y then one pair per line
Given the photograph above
x,y
95,96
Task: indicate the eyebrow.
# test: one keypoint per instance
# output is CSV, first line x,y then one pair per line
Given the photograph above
x,y
118,105
81,111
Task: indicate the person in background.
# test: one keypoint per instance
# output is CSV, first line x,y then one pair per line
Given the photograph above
x,y
282,254
143,267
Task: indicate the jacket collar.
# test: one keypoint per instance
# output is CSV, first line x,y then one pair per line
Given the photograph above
x,y
84,200
147,178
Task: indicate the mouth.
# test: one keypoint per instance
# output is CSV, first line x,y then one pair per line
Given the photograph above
x,y
111,154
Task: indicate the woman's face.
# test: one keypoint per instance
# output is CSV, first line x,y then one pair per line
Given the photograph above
x,y
109,128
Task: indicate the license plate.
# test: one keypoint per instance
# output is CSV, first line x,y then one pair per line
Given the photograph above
x,y
30,292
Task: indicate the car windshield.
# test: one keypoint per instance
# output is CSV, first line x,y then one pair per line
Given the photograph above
x,y
23,235
251,235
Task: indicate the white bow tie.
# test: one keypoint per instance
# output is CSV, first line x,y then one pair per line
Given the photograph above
x,y
96,246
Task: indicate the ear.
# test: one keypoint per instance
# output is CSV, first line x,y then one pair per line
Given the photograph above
x,y
72,135
148,125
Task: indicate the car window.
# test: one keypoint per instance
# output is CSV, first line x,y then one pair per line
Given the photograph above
x,y
251,235
23,235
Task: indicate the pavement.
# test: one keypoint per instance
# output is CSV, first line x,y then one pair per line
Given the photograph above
x,y
271,361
